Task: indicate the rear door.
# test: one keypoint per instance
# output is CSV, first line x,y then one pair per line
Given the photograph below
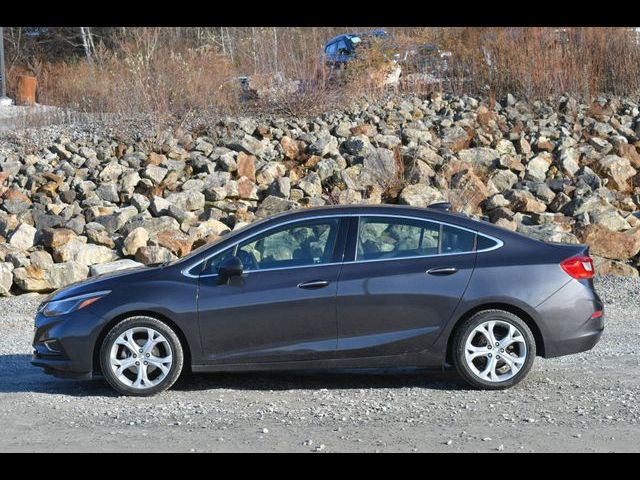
x,y
405,278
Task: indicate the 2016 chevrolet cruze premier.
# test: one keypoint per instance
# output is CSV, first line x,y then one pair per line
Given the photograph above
x,y
348,286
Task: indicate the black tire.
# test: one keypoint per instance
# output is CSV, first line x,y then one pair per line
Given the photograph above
x,y
467,327
167,333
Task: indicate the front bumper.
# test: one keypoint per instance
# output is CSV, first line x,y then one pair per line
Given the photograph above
x,y
567,321
63,346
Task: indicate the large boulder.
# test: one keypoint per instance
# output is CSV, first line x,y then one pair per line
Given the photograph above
x,y
6,277
606,266
537,168
618,170
124,264
37,279
272,205
524,201
55,238
179,243
84,253
136,239
153,255
420,195
190,200
15,201
23,237
611,244
481,157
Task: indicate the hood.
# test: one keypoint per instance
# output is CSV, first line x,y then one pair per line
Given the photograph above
x,y
106,281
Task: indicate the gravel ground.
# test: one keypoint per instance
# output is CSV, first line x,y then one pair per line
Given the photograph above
x,y
588,402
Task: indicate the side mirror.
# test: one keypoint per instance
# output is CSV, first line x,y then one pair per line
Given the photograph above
x,y
229,268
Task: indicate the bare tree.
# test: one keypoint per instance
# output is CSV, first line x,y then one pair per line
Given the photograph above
x,y
87,42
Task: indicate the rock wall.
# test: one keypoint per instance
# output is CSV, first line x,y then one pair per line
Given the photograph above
x,y
86,203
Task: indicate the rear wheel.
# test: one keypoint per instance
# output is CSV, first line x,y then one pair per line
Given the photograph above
x,y
493,350
141,356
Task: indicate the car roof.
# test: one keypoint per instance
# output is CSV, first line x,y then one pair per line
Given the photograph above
x,y
368,33
384,209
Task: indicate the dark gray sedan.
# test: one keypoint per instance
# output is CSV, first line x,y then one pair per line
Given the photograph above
x,y
336,287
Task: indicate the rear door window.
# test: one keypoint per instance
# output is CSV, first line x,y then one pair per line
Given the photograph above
x,y
388,238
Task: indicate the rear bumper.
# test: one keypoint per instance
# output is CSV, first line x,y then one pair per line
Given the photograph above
x,y
567,320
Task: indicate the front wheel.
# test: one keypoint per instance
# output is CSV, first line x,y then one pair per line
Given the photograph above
x,y
493,350
141,356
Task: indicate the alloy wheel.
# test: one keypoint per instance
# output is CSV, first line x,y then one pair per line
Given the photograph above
x,y
141,357
495,351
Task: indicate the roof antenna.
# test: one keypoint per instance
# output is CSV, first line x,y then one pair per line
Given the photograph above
x,y
444,206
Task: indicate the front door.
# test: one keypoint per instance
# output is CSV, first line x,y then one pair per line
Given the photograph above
x,y
283,307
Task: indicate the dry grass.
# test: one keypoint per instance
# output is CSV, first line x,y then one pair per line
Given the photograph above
x,y
536,62
145,73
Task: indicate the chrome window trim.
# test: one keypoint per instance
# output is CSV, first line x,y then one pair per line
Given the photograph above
x,y
499,243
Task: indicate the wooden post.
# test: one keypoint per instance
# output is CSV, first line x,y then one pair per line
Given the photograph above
x,y
26,90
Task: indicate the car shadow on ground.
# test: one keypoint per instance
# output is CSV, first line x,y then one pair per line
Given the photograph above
x,y
17,375
322,379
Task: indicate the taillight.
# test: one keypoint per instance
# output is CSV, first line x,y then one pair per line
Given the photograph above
x,y
579,267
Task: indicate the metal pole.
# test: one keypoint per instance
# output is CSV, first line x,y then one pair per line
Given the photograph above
x,y
3,84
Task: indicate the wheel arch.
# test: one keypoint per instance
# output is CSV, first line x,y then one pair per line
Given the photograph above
x,y
526,317
158,316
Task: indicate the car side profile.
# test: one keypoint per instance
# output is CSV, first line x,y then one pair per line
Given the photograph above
x,y
331,287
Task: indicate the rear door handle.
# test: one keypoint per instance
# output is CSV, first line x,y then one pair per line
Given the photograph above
x,y
313,284
442,271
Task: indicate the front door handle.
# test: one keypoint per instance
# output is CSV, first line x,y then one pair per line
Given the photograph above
x,y
313,284
442,271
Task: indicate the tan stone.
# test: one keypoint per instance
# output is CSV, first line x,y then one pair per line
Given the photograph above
x,y
55,238
609,244
630,152
290,147
605,266
156,158
247,190
175,240
246,166
136,239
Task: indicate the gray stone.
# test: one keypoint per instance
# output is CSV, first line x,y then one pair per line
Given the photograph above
x,y
108,192
482,156
23,237
502,180
537,168
124,264
420,195
136,239
272,205
153,255
155,173
140,202
190,200
324,146
159,206
6,278
358,145
41,259
311,185
151,225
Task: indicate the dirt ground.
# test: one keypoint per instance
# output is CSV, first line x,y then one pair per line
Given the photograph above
x,y
588,402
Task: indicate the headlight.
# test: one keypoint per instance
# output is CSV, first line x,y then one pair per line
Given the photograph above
x,y
68,305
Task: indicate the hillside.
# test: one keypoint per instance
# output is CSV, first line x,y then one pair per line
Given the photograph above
x,y
81,200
